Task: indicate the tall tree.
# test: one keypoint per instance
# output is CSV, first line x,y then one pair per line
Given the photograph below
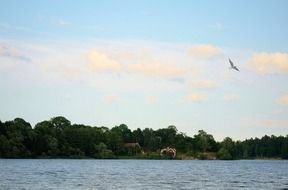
x,y
204,142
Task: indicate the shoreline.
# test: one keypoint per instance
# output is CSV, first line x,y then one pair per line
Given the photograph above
x,y
132,158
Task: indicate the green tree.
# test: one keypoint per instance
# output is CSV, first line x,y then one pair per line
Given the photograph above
x,y
102,151
115,139
151,141
60,122
224,154
204,142
44,130
125,132
138,136
18,138
52,145
57,137
284,148
167,136
181,143
4,146
228,145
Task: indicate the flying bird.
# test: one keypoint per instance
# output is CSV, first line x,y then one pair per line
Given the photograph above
x,y
233,66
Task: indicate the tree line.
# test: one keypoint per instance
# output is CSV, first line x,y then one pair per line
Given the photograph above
x,y
58,138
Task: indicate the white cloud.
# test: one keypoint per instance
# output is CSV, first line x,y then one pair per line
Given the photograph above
x,y
275,123
155,69
204,50
229,73
102,62
151,67
12,52
270,123
283,100
266,63
151,99
195,97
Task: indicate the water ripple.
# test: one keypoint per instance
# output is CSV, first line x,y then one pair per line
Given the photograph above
x,y
142,174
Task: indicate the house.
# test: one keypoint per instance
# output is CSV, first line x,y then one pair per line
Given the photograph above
x,y
132,148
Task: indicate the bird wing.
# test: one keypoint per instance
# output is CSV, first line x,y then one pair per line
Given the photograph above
x,y
231,63
235,68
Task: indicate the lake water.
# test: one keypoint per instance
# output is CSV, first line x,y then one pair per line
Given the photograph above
x,y
61,174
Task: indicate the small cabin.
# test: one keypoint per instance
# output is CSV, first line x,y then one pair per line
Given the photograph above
x,y
132,148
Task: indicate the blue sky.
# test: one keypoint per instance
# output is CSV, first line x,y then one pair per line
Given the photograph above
x,y
147,64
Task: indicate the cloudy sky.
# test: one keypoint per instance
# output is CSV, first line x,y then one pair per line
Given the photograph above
x,y
147,64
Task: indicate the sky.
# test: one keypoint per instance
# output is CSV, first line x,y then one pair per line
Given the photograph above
x,y
148,64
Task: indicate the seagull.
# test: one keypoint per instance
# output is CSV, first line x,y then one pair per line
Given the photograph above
x,y
233,66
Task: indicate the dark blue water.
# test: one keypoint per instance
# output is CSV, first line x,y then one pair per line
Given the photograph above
x,y
142,174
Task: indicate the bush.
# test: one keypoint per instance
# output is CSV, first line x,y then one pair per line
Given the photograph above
x,y
223,154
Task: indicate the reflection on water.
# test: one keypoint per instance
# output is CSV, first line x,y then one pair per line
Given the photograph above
x,y
142,174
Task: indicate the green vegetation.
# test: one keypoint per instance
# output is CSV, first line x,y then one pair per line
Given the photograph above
x,y
58,138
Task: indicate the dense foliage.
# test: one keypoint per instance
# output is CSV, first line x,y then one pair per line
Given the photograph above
x,y
57,137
